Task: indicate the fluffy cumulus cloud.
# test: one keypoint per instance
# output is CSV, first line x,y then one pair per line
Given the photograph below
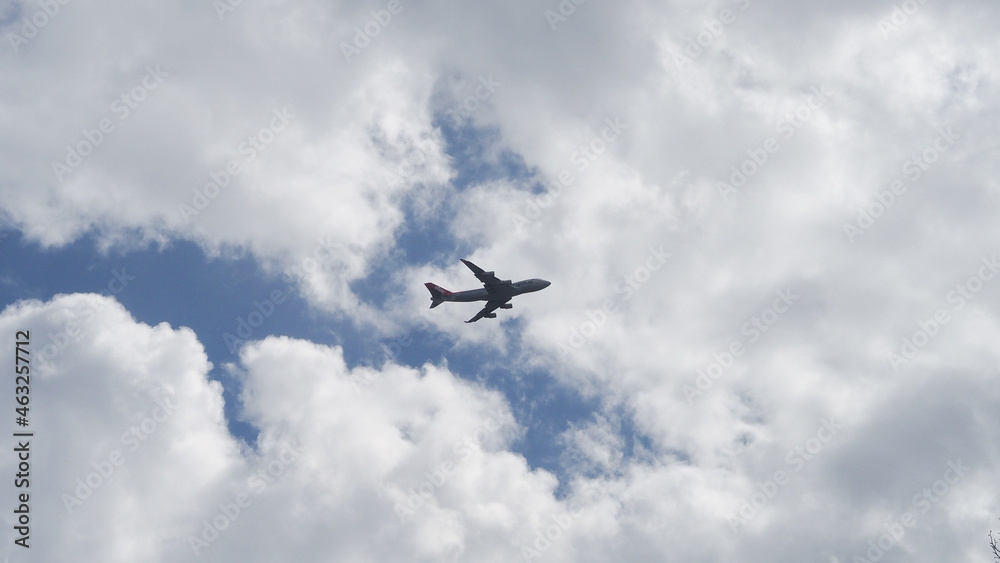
x,y
132,459
770,229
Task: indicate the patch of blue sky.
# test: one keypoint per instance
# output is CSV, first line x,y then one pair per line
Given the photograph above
x,y
476,157
541,405
476,149
422,239
635,442
11,13
214,297
178,285
634,446
544,407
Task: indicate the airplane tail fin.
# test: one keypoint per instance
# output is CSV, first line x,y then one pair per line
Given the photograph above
x,y
438,294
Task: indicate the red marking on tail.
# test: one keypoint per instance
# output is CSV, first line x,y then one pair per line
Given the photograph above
x,y
436,289
438,294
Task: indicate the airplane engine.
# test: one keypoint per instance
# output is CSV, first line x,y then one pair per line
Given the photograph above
x,y
505,282
491,316
506,306
488,274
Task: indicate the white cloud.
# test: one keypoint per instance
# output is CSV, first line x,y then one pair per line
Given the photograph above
x,y
322,184
352,464
128,432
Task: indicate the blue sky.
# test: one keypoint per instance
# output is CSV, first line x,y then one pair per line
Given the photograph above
x,y
180,285
749,335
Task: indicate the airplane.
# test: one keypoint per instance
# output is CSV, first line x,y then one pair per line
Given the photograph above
x,y
496,292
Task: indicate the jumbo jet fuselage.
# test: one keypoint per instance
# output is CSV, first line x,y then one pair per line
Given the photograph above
x,y
502,292
495,292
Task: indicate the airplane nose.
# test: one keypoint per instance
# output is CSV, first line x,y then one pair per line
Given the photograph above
x,y
546,284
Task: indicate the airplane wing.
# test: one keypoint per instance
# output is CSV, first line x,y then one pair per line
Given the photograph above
x,y
487,311
488,279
